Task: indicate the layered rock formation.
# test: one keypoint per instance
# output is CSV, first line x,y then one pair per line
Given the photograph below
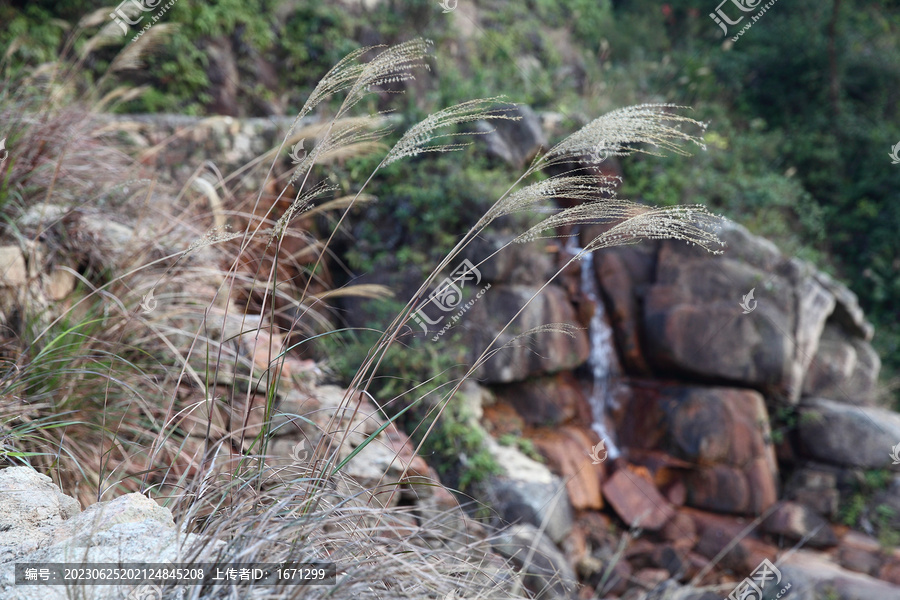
x,y
743,424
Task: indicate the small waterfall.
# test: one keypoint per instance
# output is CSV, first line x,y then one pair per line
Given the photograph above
x,y
602,352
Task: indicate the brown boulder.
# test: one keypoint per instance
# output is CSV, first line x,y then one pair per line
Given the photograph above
x,y
860,553
718,532
722,432
693,321
501,418
623,273
637,501
681,532
567,452
537,354
523,264
547,401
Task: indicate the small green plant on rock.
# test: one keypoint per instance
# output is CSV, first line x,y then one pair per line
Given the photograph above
x,y
524,445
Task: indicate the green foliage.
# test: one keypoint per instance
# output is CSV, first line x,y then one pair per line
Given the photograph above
x,y
852,510
838,146
524,445
424,205
859,506
419,373
783,419
458,440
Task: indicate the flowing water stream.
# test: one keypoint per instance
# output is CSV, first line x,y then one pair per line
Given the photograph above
x,y
602,352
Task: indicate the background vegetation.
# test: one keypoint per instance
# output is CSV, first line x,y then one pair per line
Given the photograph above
x,y
803,108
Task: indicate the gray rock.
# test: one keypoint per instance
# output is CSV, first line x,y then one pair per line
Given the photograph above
x,y
538,354
812,576
42,525
547,572
798,522
816,488
854,436
844,368
12,267
30,507
514,142
527,492
847,312
694,326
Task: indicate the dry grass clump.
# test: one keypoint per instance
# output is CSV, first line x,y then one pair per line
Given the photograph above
x,y
109,394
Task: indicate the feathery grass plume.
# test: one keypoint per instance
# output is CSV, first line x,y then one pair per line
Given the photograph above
x,y
216,235
693,224
619,129
393,65
339,78
340,203
364,131
372,291
108,35
380,552
301,203
131,57
594,212
119,95
416,140
563,328
569,187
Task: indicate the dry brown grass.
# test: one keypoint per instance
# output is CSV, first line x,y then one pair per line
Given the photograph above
x,y
107,397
